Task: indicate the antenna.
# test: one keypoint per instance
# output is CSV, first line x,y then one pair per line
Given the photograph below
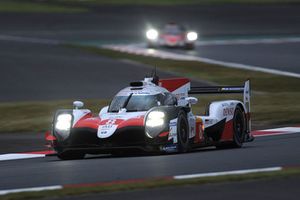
x,y
154,76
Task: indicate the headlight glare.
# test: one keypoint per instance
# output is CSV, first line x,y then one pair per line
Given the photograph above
x,y
63,122
152,34
155,118
192,36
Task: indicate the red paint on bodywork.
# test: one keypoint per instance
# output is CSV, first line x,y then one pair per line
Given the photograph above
x,y
173,84
199,133
227,134
132,122
164,134
92,122
49,136
95,122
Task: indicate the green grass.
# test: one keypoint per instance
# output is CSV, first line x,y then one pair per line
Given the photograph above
x,y
151,183
75,6
36,116
172,2
36,7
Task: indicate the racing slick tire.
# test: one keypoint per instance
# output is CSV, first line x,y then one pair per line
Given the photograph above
x,y
239,130
182,132
189,46
239,127
69,155
151,45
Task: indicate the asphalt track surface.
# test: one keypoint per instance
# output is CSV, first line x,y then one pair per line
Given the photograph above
x,y
31,71
282,56
275,189
34,71
268,151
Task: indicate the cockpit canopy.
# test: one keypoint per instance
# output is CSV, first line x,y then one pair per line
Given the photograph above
x,y
137,102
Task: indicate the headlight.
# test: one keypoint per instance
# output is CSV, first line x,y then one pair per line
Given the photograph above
x,y
63,122
192,36
155,119
152,34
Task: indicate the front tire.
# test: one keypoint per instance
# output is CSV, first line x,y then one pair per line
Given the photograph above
x,y
189,46
182,132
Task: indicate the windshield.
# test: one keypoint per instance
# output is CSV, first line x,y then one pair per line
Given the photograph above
x,y
172,30
133,103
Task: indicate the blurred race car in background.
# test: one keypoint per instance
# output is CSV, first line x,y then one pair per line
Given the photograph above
x,y
153,115
171,35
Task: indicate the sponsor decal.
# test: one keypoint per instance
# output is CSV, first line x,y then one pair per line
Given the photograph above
x,y
225,104
208,121
192,122
173,130
232,89
107,129
228,111
170,148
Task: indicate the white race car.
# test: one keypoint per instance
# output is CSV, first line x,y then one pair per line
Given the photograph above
x,y
153,116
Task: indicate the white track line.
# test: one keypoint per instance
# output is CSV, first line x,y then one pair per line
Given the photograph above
x,y
276,131
17,156
285,129
33,189
249,41
139,50
236,172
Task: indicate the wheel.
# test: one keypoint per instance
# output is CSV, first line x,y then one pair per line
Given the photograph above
x,y
182,132
189,46
239,130
70,155
151,45
239,127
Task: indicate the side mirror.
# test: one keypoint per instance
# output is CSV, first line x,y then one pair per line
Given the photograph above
x,y
103,110
191,100
78,104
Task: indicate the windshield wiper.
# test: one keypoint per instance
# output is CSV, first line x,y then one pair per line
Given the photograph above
x,y
127,100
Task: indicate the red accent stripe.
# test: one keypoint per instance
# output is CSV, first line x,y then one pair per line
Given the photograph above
x,y
164,134
227,134
132,122
255,133
173,84
40,152
50,137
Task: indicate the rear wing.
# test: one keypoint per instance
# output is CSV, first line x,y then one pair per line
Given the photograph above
x,y
244,89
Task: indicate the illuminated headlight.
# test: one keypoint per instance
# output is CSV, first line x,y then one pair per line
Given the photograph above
x,y
63,122
155,119
152,34
192,36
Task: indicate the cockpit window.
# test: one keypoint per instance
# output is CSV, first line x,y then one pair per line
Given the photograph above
x,y
173,30
134,103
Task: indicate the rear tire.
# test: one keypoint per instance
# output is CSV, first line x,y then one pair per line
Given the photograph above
x,y
182,132
239,130
239,127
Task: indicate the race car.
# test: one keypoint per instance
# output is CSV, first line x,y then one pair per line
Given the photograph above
x,y
172,35
153,115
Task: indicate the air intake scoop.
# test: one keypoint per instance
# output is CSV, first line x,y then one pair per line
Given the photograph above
x,y
136,84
